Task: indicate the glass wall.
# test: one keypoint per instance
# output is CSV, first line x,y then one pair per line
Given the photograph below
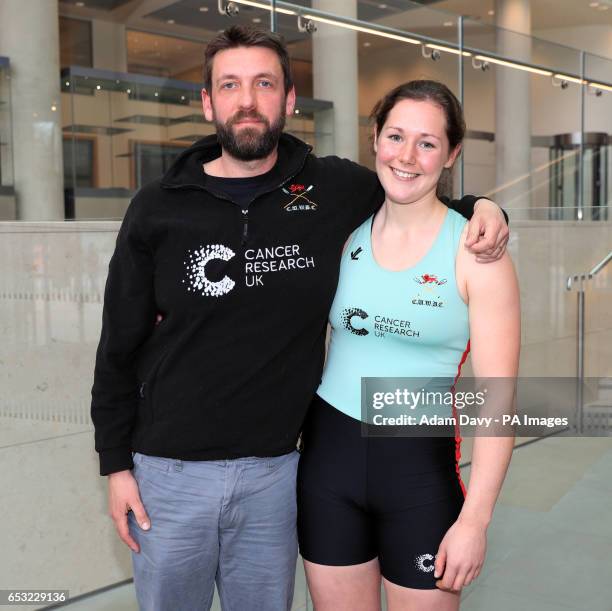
x,y
516,112
121,131
597,154
525,105
124,130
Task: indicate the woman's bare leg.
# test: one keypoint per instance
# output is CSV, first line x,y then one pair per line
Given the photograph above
x,y
344,588
411,599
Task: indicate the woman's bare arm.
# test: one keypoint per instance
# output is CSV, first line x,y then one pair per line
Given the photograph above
x,y
492,294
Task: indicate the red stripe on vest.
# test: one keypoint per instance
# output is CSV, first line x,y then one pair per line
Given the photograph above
x,y
458,439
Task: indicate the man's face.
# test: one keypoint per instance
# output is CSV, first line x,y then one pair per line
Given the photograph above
x,y
247,101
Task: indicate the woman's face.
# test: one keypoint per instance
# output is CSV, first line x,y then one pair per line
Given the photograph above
x,y
412,149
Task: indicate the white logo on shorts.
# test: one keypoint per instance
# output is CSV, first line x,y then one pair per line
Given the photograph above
x,y
422,560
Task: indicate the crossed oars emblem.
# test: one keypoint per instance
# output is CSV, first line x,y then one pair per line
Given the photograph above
x,y
298,194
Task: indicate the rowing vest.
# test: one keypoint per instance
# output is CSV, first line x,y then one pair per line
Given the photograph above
x,y
409,323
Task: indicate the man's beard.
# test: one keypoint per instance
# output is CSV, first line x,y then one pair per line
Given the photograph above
x,y
250,143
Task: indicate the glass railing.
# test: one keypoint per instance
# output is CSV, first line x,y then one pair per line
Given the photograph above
x,y
56,532
556,213
7,194
52,278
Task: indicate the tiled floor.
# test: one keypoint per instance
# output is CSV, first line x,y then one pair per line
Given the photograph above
x,y
550,542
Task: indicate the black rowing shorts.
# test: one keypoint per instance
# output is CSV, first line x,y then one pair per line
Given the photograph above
x,y
365,497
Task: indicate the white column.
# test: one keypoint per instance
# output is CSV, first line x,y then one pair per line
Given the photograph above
x,y
513,106
335,78
29,37
109,45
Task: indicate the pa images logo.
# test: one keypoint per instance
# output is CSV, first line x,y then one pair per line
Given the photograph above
x,y
299,201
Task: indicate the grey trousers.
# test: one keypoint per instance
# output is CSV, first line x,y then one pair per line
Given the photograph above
x,y
231,522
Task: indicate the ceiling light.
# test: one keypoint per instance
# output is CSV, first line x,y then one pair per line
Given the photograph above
x,y
256,20
80,4
128,91
54,108
367,44
382,6
491,13
203,9
98,87
170,21
448,24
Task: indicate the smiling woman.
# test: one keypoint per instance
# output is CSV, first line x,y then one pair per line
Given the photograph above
x,y
412,525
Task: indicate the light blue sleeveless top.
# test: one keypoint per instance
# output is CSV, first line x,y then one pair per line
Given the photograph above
x,y
409,323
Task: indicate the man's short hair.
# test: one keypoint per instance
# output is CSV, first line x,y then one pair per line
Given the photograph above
x,y
246,36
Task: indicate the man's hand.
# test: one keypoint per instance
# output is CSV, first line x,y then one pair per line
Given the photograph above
x,y
488,232
123,496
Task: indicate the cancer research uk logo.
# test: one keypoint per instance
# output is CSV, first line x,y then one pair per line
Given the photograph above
x,y
196,275
425,563
347,317
383,325
258,262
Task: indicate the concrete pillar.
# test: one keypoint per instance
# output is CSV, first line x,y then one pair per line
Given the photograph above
x,y
109,45
335,78
513,106
29,36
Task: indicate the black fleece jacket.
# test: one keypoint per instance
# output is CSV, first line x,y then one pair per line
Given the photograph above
x,y
244,294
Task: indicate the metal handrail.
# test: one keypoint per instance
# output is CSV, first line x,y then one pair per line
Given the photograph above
x,y
588,275
601,265
581,279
